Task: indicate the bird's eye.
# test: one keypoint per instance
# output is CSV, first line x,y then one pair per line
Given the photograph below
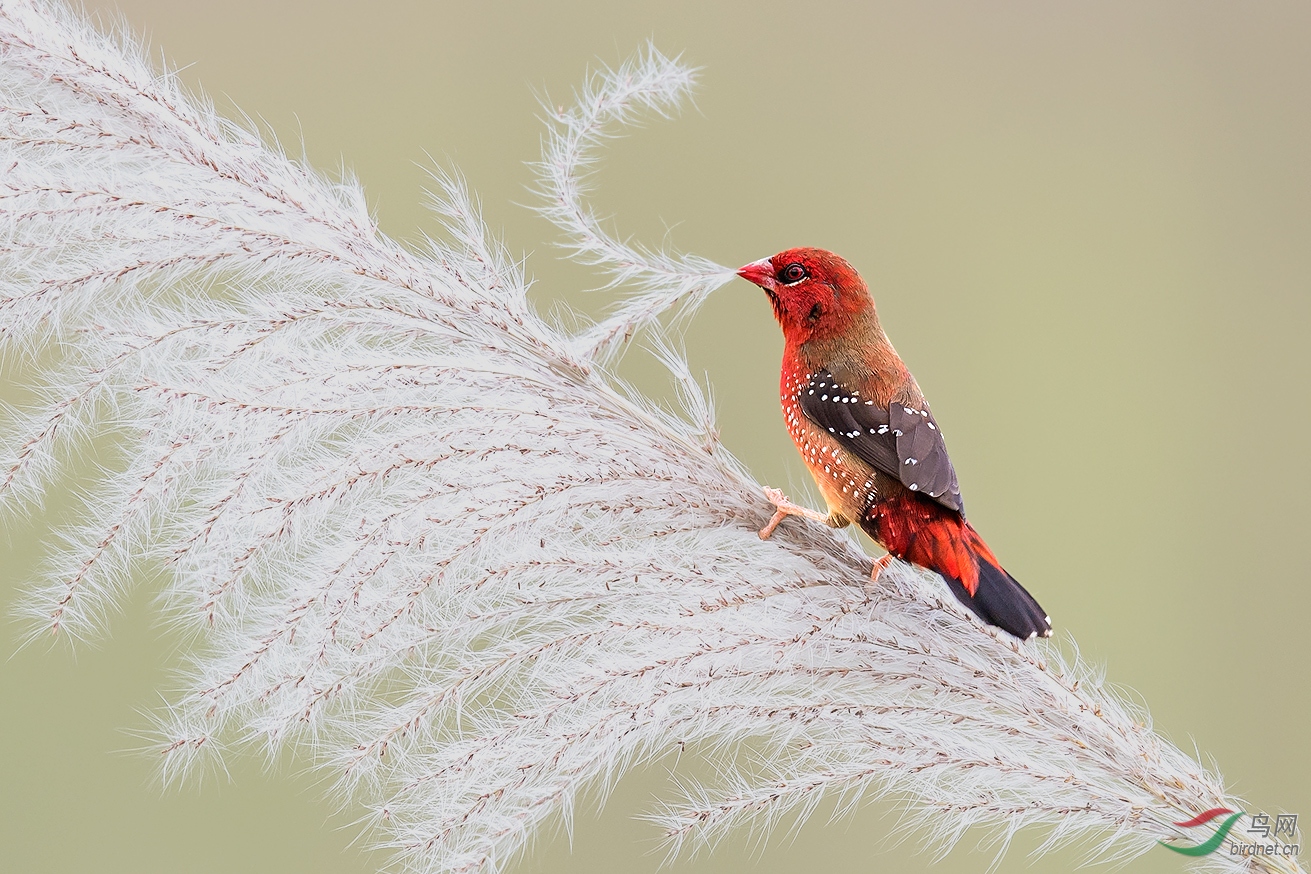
x,y
792,274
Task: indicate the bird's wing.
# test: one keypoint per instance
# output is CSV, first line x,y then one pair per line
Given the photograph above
x,y
901,441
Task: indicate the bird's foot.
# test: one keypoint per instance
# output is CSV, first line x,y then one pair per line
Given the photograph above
x,y
784,508
880,565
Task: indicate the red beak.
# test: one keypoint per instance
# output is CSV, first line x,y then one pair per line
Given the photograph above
x,y
759,273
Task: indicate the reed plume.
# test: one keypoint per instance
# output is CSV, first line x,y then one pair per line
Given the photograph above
x,y
419,535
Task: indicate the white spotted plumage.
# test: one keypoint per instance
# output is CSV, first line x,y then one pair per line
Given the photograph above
x,y
826,461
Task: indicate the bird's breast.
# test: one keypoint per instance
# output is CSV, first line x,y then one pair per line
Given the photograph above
x,y
848,483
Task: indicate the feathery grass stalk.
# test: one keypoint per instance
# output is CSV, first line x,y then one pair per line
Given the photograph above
x,y
417,535
652,83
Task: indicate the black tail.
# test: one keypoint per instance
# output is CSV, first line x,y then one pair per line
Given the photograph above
x,y
1001,601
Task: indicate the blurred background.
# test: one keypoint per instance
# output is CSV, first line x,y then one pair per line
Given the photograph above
x,y
1088,229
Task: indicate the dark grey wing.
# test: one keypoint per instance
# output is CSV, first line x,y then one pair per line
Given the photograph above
x,y
901,441
922,454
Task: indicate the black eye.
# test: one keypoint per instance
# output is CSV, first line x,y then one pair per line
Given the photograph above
x,y
792,274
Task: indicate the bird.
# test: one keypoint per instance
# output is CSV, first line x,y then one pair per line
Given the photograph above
x,y
868,438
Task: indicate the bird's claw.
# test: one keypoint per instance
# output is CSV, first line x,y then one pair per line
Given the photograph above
x,y
880,565
783,509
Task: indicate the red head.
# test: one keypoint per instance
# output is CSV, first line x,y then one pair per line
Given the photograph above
x,y
816,294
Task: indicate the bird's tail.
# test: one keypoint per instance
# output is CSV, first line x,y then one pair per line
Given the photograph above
x,y
1001,601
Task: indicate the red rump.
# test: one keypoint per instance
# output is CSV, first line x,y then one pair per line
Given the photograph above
x,y
923,532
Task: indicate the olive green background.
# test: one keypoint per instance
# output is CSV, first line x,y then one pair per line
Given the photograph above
x,y
1088,228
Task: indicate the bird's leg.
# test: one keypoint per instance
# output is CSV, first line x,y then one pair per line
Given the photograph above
x,y
880,565
784,508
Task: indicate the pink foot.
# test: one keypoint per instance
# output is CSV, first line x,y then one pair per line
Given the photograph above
x,y
880,565
785,508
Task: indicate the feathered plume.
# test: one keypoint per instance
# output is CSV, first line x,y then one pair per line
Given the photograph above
x,y
418,535
652,83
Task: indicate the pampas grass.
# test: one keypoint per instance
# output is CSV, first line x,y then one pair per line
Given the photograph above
x,y
418,534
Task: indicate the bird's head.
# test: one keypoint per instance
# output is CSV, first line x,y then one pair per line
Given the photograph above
x,y
816,295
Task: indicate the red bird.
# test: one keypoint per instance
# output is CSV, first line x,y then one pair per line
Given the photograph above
x,y
866,434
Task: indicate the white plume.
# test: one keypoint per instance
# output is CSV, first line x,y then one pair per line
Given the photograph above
x,y
653,83
418,534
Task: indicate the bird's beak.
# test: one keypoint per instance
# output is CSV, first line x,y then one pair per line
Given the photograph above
x,y
760,273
